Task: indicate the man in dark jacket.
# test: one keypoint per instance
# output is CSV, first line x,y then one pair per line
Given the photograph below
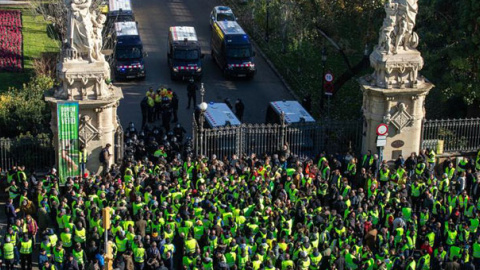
x,y
10,212
71,263
239,109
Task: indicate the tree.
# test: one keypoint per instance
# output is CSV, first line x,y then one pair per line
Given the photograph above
x,y
23,110
450,43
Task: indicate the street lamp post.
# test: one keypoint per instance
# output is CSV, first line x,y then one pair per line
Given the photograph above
x,y
203,107
267,26
322,90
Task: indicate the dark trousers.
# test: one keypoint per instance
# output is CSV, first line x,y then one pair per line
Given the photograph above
x,y
144,117
192,98
151,114
9,264
158,111
26,261
139,266
175,115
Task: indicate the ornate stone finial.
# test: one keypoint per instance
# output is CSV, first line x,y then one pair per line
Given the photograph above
x,y
395,59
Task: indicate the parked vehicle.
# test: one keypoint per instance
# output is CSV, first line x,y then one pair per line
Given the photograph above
x,y
184,53
218,115
120,11
221,13
232,49
128,52
292,110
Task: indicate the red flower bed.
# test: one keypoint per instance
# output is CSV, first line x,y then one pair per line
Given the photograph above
x,y
11,39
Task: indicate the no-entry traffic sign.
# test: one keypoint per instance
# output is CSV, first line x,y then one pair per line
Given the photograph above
x,y
382,130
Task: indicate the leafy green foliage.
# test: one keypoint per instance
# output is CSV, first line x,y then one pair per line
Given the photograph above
x,y
24,110
450,42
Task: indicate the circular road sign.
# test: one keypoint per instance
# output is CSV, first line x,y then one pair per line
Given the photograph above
x,y
382,130
329,77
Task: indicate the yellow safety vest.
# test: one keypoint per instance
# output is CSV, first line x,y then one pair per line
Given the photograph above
x,y
66,239
476,250
191,245
121,244
139,255
26,247
167,248
78,256
80,236
8,251
58,255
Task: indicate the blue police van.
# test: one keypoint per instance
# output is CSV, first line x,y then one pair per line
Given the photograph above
x,y
128,52
232,49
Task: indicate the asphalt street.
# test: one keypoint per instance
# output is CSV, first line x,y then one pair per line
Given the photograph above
x,y
154,19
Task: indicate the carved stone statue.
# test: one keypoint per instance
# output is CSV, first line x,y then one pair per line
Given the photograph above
x,y
98,23
84,31
395,59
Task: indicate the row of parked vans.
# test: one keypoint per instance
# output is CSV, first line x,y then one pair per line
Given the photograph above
x,y
231,47
219,114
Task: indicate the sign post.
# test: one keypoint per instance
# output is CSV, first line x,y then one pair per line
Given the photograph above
x,y
382,132
328,88
68,156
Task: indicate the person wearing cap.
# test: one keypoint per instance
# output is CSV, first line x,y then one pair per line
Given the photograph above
x,y
26,249
8,253
43,257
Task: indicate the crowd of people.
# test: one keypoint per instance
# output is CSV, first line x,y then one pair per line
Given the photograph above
x,y
172,210
162,105
11,54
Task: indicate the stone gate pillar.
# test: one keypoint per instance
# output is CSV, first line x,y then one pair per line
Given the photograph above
x,y
395,93
84,74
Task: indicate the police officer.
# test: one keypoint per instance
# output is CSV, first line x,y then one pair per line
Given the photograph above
x,y
192,92
239,109
158,103
166,117
144,109
174,105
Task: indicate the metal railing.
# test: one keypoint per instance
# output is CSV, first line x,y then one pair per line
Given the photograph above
x,y
303,139
456,135
33,153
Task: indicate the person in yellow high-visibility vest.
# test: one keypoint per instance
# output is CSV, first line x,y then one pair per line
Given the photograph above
x,y
476,252
191,244
8,253
26,249
139,256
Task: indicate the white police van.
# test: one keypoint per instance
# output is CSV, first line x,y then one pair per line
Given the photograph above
x,y
293,112
218,115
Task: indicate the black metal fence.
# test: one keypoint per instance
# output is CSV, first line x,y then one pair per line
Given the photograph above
x,y
453,135
304,139
34,153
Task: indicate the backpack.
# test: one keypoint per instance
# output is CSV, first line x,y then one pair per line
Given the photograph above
x,y
101,158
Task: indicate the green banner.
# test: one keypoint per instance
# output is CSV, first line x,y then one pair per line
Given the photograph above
x,y
68,157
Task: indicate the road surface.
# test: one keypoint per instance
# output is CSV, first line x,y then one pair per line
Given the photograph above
x,y
154,18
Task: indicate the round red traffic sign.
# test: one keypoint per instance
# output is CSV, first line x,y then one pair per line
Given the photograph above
x,y
329,77
382,130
